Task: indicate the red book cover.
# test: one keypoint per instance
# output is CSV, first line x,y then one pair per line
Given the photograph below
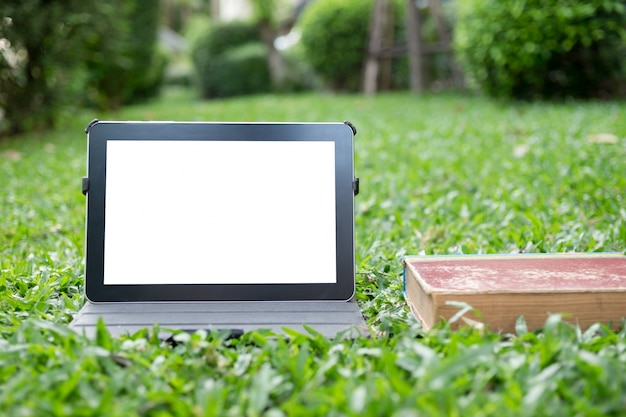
x,y
585,287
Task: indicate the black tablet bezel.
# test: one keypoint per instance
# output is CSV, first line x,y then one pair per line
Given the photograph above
x,y
101,132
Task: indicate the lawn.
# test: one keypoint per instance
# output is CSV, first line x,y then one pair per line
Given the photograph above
x,y
439,174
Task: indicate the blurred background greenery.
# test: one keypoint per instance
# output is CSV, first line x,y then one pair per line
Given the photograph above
x,y
60,54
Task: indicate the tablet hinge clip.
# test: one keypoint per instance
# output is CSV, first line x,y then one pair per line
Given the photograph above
x,y
85,185
90,125
351,126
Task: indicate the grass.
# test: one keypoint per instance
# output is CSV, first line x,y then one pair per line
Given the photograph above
x,y
439,174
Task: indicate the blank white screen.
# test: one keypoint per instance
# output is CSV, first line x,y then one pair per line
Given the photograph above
x,y
219,212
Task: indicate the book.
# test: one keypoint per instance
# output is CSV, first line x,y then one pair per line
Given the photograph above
x,y
586,288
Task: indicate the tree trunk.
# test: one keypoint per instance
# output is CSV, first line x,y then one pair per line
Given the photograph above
x,y
415,47
275,61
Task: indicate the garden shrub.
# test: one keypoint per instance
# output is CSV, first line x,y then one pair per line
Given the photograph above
x,y
222,36
230,59
335,38
528,49
55,54
149,61
125,65
40,50
238,71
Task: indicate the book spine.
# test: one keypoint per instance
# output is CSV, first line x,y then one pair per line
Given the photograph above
x,y
404,294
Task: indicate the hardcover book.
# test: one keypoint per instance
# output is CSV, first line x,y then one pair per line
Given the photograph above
x,y
586,288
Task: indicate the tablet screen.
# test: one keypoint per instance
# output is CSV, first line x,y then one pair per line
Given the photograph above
x,y
220,212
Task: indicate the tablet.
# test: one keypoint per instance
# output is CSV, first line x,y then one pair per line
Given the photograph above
x,y
219,211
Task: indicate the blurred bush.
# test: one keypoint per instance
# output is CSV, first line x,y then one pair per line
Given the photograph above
x,y
238,71
219,37
60,52
529,49
335,39
123,62
230,59
38,43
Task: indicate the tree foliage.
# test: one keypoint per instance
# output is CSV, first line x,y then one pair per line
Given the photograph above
x,y
230,59
127,67
38,45
535,49
54,52
334,37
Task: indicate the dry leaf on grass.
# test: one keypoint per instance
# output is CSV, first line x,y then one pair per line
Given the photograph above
x,y
12,155
520,150
602,138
